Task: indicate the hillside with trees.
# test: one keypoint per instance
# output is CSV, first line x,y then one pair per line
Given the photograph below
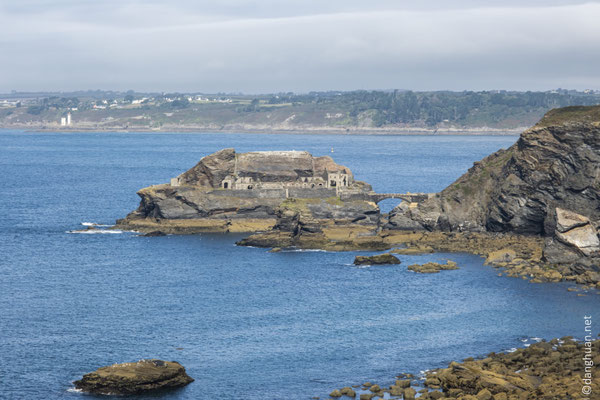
x,y
356,111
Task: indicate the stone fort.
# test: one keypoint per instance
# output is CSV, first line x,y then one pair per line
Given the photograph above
x,y
266,170
279,174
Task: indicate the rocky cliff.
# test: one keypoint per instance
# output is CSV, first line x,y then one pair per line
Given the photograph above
x,y
248,192
547,184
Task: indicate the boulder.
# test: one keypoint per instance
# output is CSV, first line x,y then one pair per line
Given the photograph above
x,y
409,394
380,259
484,394
567,220
499,256
576,231
134,378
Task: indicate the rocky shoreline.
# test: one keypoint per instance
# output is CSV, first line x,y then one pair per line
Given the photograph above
x,y
519,256
553,370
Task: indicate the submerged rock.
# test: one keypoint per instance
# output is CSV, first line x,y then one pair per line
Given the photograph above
x,y
154,234
133,378
379,259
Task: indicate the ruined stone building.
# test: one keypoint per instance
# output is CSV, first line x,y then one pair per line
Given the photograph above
x,y
229,170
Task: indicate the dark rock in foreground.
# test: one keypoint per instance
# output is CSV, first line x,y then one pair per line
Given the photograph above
x,y
133,378
379,259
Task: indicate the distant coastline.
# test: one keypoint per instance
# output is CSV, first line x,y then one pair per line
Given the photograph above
x,y
312,130
396,112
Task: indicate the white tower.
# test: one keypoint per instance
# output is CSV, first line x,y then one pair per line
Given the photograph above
x,y
63,121
69,119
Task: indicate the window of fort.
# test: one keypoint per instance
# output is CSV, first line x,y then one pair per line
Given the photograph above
x,y
249,186
332,183
225,185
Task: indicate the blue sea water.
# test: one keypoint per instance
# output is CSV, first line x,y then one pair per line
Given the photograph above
x,y
247,324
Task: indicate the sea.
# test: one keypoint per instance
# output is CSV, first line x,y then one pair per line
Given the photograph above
x,y
246,323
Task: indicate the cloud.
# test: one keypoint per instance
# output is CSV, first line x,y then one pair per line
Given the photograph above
x,y
302,46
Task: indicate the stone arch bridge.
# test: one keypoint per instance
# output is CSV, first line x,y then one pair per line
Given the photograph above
x,y
378,197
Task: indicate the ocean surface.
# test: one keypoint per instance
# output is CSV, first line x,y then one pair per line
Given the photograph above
x,y
247,324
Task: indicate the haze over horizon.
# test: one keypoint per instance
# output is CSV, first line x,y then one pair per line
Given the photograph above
x,y
272,46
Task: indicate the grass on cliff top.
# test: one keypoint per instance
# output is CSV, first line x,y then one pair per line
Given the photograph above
x,y
476,179
560,116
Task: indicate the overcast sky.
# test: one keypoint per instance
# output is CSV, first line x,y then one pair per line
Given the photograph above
x,y
265,46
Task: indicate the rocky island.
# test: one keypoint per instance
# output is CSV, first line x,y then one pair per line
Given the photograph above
x,y
289,191
134,378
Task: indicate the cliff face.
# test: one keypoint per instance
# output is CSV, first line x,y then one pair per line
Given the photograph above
x,y
553,169
247,192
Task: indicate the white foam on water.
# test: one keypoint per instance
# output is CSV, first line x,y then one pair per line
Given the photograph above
x,y
306,251
74,390
537,339
527,345
95,224
511,350
97,231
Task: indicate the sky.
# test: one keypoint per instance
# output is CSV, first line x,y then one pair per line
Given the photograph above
x,y
270,46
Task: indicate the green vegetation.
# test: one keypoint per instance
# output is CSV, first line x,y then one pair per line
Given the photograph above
x,y
571,114
340,110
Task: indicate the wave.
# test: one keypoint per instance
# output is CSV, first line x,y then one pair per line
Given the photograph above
x,y
94,224
96,231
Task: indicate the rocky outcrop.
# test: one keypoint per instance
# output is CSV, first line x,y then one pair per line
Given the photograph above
x,y
543,371
546,370
134,378
432,267
378,259
249,192
546,184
